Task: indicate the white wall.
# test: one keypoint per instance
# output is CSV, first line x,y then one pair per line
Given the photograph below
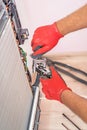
x,y
34,13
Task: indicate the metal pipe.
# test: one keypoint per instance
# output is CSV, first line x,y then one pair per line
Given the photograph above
x,y
71,121
35,102
65,126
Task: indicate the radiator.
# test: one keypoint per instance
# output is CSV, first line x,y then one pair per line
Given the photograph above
x,y
15,92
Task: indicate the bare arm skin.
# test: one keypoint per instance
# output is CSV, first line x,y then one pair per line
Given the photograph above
x,y
73,22
55,88
76,103
46,37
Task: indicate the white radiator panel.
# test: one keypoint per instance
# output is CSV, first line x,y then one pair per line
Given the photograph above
x,y
15,92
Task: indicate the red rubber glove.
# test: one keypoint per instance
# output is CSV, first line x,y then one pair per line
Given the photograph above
x,y
45,38
54,86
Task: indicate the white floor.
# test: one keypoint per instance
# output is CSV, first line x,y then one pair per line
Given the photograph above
x,y
51,111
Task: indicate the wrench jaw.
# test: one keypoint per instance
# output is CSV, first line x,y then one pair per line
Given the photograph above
x,y
40,66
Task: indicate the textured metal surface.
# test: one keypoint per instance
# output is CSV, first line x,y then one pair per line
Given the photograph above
x,y
3,16
15,92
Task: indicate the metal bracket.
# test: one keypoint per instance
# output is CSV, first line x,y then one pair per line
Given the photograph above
x,y
24,33
21,34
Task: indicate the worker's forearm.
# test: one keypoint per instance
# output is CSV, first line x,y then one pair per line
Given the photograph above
x,y
74,21
76,103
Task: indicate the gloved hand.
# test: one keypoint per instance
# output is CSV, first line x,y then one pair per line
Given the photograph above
x,y
54,86
45,38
